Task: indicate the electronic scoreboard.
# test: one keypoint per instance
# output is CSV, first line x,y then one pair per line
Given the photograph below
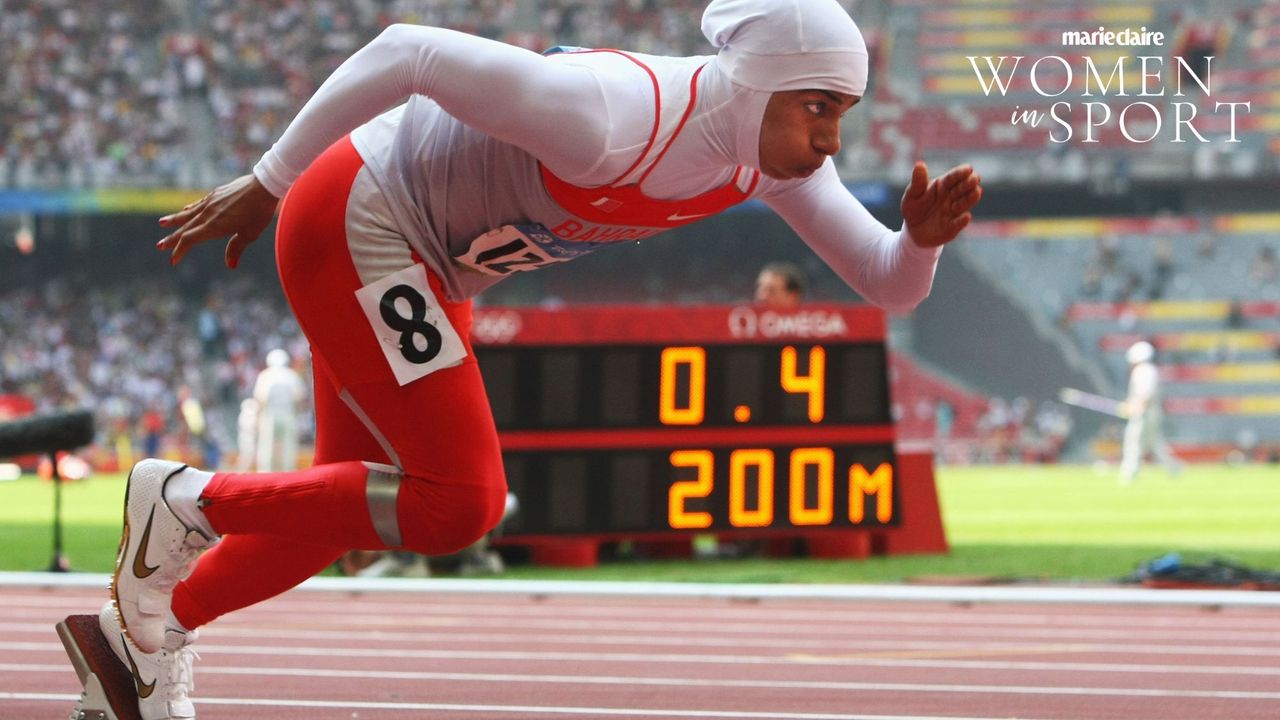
x,y
647,422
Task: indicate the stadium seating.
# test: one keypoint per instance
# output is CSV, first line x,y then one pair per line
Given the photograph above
x,y
1202,290
180,94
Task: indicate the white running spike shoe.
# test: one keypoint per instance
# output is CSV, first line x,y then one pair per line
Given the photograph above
x,y
156,552
163,678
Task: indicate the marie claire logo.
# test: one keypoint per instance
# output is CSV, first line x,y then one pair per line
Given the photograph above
x,y
746,322
1103,36
496,327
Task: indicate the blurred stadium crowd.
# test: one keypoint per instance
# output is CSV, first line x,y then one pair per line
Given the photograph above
x,y
186,93
133,351
176,93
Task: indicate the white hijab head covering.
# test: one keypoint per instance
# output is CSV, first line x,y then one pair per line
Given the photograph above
x,y
776,45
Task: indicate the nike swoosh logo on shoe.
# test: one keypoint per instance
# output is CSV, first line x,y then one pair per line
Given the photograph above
x,y
144,689
140,568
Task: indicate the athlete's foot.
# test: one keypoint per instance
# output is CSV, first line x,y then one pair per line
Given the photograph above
x,y
156,552
162,679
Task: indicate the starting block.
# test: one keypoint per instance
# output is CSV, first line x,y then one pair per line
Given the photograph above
x,y
108,685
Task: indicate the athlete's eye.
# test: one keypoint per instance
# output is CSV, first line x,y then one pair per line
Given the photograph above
x,y
816,108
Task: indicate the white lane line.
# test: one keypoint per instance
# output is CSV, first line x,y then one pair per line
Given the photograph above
x,y
702,638
748,683
820,627
1039,667
941,663
745,591
435,609
707,682
522,709
760,633
859,687
842,659
886,653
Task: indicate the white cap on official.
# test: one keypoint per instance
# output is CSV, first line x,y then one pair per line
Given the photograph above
x,y
277,358
1140,352
776,45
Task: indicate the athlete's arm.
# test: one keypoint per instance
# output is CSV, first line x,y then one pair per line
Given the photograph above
x,y
886,267
554,110
557,111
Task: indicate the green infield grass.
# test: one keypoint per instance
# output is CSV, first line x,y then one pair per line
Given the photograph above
x,y
1064,523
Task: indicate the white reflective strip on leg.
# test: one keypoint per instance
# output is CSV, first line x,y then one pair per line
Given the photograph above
x,y
368,424
382,490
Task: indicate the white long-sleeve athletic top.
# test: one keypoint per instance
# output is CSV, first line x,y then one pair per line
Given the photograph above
x,y
466,156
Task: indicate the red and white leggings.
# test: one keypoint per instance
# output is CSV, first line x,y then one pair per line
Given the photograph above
x,y
441,485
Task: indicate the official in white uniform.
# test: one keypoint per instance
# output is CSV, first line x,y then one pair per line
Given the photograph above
x,y
278,392
1143,431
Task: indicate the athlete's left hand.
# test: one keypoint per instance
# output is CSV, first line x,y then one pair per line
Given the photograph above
x,y
241,209
936,211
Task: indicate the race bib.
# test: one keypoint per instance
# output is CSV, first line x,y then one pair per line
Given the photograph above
x,y
414,333
514,248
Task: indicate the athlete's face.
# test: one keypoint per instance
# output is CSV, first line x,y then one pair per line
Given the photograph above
x,y
801,128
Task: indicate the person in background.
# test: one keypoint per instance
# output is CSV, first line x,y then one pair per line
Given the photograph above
x,y
279,391
191,410
1143,431
246,434
780,286
152,425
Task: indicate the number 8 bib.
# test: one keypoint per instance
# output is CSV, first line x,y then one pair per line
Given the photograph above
x,y
412,329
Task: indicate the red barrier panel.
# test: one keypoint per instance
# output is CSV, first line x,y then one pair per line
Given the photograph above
x,y
921,530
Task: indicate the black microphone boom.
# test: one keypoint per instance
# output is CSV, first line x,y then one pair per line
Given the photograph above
x,y
49,434
46,434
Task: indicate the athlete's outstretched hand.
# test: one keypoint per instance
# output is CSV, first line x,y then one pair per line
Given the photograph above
x,y
936,211
241,209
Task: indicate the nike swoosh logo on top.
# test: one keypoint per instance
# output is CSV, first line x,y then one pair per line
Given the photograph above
x,y
678,216
144,689
140,568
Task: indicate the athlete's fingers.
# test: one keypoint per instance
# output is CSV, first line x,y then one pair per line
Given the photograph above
x,y
231,255
235,248
956,176
970,199
172,239
186,213
187,238
171,242
965,184
919,180
961,192
177,218
179,250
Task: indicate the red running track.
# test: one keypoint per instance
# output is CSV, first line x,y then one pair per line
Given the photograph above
x,y
394,656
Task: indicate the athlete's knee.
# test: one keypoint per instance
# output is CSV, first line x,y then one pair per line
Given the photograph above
x,y
452,518
466,515
432,515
